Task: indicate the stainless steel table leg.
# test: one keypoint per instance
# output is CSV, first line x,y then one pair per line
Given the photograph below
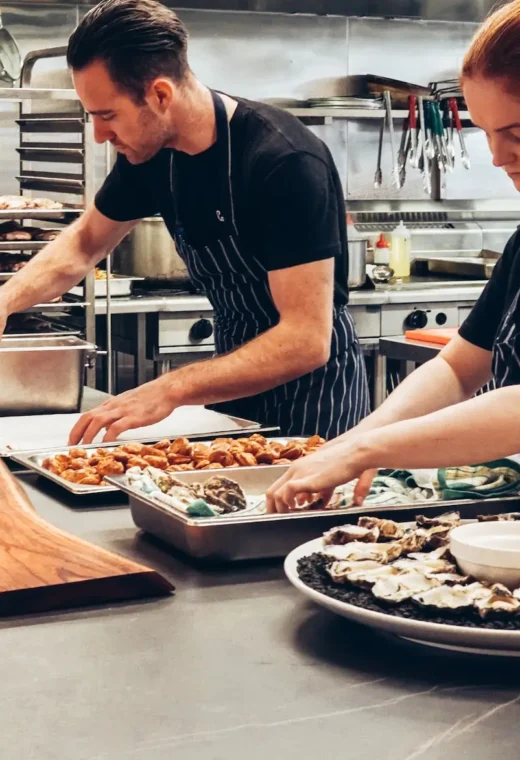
x,y
162,367
379,379
115,372
140,350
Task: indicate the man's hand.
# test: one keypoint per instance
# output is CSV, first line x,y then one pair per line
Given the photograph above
x,y
142,406
318,474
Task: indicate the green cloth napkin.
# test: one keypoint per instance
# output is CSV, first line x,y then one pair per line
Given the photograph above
x,y
480,481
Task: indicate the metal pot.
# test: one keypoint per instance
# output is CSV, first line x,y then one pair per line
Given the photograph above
x,y
357,263
149,251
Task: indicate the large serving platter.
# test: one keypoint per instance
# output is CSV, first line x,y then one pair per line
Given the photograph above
x,y
457,637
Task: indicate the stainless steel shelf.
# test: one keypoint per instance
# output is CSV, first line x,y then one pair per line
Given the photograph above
x,y
353,113
19,94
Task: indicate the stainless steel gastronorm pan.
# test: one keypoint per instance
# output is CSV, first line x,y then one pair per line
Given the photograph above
x,y
42,374
247,537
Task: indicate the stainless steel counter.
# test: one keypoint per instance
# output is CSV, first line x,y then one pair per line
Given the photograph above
x,y
391,295
236,665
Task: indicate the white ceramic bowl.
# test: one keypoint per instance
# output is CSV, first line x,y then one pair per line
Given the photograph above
x,y
489,551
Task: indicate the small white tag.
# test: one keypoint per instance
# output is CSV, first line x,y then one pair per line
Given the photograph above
x,y
220,217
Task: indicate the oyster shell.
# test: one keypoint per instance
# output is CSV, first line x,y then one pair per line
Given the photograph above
x,y
223,493
449,518
340,569
453,598
397,588
412,542
436,537
366,578
449,579
426,565
498,599
345,534
357,551
387,528
506,517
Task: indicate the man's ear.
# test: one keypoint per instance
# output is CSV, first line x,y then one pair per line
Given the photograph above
x,y
160,95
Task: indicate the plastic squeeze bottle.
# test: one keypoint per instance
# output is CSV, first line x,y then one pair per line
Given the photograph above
x,y
400,251
381,251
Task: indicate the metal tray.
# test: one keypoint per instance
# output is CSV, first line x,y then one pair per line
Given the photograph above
x,y
247,537
33,461
20,437
120,286
35,213
14,246
29,368
477,267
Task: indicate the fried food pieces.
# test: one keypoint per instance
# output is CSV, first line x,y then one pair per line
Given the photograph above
x,y
86,467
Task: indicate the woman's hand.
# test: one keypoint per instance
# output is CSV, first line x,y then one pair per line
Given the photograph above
x,y
317,475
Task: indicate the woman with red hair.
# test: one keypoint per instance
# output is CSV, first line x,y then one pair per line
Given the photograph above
x,y
433,418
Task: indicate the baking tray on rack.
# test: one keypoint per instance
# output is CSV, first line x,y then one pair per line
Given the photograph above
x,y
251,536
22,246
39,213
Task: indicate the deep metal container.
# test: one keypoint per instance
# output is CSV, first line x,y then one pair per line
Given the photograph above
x,y
149,251
357,263
247,536
42,375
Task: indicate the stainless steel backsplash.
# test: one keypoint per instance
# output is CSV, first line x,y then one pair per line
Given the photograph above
x,y
270,55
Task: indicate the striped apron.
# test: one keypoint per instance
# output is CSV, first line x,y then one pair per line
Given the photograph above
x,y
327,401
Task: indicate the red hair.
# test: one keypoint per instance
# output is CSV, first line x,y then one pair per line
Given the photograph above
x,y
494,52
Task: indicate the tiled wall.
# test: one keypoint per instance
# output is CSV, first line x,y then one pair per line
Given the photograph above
x,y
276,56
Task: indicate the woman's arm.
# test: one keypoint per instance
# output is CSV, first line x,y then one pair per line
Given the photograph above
x,y
453,376
484,428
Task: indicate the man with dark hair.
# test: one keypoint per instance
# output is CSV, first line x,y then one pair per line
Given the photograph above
x,y
255,206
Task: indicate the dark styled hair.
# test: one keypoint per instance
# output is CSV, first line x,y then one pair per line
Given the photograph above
x,y
137,40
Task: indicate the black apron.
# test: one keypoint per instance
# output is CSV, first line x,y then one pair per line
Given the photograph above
x,y
506,348
327,401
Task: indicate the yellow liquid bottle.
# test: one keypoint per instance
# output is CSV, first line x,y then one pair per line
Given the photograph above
x,y
400,251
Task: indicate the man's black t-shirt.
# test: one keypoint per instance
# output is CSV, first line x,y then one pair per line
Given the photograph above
x,y
288,199
483,322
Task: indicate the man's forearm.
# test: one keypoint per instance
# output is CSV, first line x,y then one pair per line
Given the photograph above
x,y
410,400
60,266
271,359
484,428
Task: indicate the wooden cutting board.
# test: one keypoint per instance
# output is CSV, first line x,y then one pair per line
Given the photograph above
x,y
43,568
441,335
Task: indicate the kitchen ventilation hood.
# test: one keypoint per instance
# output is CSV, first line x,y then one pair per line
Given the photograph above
x,y
438,10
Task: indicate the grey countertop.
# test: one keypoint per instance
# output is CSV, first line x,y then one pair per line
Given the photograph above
x,y
395,294
236,665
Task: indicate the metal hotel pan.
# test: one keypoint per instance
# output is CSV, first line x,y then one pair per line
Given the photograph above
x,y
33,460
42,374
246,537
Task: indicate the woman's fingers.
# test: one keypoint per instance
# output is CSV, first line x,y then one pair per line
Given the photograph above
x,y
363,486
